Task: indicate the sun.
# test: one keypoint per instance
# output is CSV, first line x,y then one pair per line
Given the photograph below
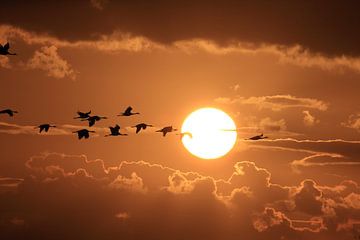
x,y
209,133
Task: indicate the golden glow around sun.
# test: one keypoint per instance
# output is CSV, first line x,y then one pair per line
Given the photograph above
x,y
211,137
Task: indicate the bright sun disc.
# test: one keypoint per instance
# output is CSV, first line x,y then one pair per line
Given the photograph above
x,y
213,133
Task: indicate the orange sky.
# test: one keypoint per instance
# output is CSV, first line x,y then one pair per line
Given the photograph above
x,y
288,70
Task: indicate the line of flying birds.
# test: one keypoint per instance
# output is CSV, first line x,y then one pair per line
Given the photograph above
x,y
92,119
115,131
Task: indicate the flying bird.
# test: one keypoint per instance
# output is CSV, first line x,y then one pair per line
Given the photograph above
x,y
128,112
141,126
4,50
93,119
166,130
9,112
184,134
258,137
83,133
115,131
44,127
83,115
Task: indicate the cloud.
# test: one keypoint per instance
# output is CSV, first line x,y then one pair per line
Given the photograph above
x,y
135,183
48,60
219,21
65,129
277,102
295,55
308,198
126,41
267,124
353,122
309,120
98,4
9,184
164,202
332,152
114,42
4,62
270,218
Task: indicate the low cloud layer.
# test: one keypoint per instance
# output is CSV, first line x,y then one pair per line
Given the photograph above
x,y
115,201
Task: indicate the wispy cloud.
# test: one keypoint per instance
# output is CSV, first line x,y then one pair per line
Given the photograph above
x,y
295,55
117,41
276,102
332,152
48,60
65,129
120,41
309,120
353,122
98,4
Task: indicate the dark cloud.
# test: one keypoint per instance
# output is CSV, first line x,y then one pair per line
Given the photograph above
x,y
308,200
278,22
69,196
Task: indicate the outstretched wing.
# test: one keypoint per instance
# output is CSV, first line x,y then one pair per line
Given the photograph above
x,y
138,128
8,111
6,46
91,122
128,110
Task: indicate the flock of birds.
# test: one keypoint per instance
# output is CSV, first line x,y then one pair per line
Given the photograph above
x,y
114,131
92,119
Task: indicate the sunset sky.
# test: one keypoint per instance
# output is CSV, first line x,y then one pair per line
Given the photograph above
x,y
290,70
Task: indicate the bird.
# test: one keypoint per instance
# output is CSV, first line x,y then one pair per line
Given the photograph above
x,y
83,115
4,50
128,112
166,130
141,126
258,137
44,127
93,119
184,134
9,112
115,131
83,133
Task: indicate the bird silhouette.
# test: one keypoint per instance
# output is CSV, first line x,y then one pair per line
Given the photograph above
x,y
83,115
9,112
93,119
4,50
44,127
166,130
184,134
83,133
258,137
115,131
128,112
141,126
